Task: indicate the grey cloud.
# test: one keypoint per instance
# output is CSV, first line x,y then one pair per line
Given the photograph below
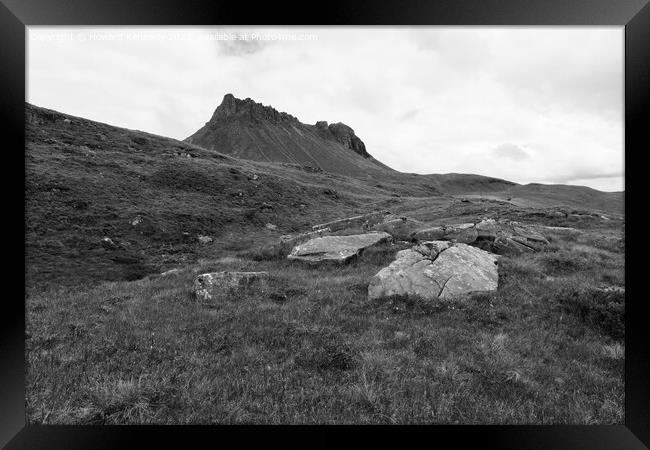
x,y
510,151
240,47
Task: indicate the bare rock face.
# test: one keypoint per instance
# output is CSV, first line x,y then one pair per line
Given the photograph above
x,y
345,135
337,249
437,269
250,130
209,285
232,107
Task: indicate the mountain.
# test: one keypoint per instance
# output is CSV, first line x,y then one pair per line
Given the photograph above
x,y
249,130
109,203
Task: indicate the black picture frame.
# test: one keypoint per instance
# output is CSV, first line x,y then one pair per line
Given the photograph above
x,y
15,15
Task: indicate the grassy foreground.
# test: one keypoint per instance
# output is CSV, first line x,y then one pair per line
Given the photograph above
x,y
546,348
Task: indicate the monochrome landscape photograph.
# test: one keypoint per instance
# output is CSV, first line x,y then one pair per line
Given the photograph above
x,y
324,225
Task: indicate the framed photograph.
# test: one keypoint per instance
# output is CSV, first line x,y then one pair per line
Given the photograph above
x,y
242,224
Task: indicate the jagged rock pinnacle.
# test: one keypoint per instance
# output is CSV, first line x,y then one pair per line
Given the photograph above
x,y
231,107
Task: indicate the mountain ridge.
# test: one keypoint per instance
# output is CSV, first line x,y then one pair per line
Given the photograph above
x,y
251,130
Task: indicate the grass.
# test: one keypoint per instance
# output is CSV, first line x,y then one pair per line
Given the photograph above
x,y
109,341
310,347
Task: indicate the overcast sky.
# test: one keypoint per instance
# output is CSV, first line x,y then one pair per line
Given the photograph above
x,y
527,104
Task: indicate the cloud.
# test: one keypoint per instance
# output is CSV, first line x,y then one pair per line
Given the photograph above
x,y
239,47
510,151
524,104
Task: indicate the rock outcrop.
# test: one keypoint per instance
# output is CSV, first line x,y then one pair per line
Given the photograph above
x,y
465,233
210,285
362,222
337,249
249,130
288,241
232,107
345,135
437,269
400,228
500,237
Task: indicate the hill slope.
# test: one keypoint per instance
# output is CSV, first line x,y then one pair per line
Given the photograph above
x,y
107,203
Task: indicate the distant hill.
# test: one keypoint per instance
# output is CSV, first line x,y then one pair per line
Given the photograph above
x,y
544,195
249,130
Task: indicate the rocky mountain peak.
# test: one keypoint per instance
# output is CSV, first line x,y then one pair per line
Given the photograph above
x,y
233,107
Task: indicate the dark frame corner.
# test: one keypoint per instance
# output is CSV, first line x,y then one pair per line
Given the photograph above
x,y
15,15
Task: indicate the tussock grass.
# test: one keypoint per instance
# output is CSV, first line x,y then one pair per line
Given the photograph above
x,y
310,347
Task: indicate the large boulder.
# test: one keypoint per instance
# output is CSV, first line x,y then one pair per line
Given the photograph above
x,y
445,270
339,249
207,286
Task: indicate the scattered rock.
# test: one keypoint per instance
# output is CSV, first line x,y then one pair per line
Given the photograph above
x,y
108,243
567,229
508,246
209,285
465,233
136,221
433,233
289,241
338,249
170,272
204,239
501,237
456,269
365,221
270,226
67,121
398,227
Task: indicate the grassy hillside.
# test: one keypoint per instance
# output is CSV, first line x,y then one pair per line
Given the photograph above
x,y
541,195
546,348
152,197
111,341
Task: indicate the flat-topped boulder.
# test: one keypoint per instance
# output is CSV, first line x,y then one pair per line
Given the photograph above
x,y
338,249
207,286
437,269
